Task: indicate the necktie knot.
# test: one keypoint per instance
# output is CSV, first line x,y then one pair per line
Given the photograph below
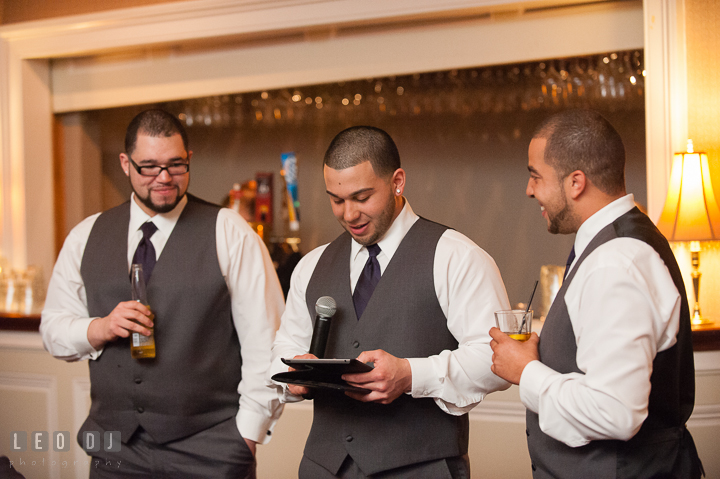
x,y
148,229
373,250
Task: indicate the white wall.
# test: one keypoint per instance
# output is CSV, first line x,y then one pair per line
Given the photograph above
x,y
41,393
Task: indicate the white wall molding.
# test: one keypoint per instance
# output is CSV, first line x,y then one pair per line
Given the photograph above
x,y
513,412
81,408
45,385
705,415
203,19
499,411
21,340
108,82
707,363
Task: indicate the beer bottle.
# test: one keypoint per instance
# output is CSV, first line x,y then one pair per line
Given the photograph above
x,y
141,346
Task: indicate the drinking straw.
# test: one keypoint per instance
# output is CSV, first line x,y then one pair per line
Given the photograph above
x,y
528,307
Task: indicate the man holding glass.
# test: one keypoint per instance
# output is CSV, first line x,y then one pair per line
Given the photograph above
x,y
413,297
200,406
610,384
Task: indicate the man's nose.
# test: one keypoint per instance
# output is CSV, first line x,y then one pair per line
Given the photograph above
x,y
164,176
529,190
351,212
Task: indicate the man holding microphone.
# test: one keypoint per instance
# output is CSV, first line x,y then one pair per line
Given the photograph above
x,y
414,298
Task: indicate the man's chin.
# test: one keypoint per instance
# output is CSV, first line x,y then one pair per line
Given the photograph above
x,y
364,240
164,207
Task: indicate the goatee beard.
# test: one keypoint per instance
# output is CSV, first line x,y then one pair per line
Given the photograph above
x,y
158,208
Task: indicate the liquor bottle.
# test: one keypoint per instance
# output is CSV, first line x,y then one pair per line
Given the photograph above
x,y
235,197
141,346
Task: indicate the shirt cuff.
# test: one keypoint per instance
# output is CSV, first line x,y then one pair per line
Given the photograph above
x,y
424,382
78,334
531,382
255,427
284,394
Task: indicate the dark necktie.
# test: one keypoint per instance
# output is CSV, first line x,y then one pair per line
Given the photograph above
x,y
570,259
145,252
368,280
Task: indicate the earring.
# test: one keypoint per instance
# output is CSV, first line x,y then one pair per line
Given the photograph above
x,y
397,191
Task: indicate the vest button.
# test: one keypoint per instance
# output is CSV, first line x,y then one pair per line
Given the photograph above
x,y
138,380
140,409
356,344
349,438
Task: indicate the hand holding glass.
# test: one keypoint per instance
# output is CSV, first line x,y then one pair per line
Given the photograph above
x,y
516,323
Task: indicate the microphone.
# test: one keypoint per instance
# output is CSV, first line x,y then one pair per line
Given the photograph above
x,y
325,308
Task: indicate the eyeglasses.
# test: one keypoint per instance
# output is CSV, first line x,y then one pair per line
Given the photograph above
x,y
174,170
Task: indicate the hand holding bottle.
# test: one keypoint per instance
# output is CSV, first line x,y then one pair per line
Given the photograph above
x,y
141,346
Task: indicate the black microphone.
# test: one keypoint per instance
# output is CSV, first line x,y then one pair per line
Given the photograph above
x,y
325,308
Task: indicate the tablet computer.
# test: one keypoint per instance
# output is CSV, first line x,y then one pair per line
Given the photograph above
x,y
323,373
335,366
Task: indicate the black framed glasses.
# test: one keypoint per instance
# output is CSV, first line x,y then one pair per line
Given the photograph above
x,y
173,170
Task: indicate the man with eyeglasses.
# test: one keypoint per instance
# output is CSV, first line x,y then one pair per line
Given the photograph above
x,y
200,406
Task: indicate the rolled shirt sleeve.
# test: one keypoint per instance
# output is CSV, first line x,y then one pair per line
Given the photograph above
x,y
65,318
469,289
295,333
257,305
624,308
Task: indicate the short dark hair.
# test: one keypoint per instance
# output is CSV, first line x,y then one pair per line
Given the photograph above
x,y
153,123
358,144
584,140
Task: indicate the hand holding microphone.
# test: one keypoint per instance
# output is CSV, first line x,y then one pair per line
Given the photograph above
x,y
325,309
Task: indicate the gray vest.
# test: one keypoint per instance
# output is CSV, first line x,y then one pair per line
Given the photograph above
x,y
404,318
663,447
192,383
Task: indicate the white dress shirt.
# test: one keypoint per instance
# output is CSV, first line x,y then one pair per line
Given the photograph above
x,y
469,289
257,304
624,309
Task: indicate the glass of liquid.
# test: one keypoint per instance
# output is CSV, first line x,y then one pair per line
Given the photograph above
x,y
516,323
141,346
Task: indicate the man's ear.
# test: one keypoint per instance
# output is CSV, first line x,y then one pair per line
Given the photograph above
x,y
398,182
125,163
576,183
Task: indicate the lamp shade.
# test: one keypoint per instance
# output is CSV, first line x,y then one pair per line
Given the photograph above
x,y
691,211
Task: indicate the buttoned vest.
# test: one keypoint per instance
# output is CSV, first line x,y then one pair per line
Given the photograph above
x,y
192,383
663,447
404,318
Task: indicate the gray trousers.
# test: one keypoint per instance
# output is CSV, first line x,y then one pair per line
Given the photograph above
x,y
448,468
219,452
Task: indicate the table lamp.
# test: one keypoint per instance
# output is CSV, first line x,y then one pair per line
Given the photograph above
x,y
691,213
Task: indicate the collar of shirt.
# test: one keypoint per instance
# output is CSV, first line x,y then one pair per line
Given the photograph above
x,y
165,223
388,243
592,226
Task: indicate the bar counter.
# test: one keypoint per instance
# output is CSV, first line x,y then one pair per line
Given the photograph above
x,y
704,339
